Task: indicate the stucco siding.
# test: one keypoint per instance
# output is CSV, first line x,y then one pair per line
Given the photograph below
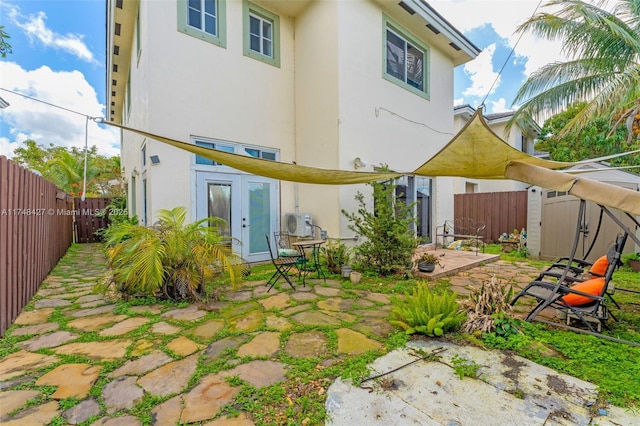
x,y
316,103
199,89
380,121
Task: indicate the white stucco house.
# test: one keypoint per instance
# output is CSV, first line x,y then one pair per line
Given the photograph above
x,y
318,83
523,139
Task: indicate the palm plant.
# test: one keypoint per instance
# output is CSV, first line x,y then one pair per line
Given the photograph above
x,y
603,69
171,258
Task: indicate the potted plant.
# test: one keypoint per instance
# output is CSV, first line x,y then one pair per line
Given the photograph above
x,y
427,262
634,261
336,254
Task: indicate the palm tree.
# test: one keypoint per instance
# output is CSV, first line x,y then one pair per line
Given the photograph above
x,y
603,70
174,259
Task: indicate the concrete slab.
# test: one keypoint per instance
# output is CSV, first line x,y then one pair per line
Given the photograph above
x,y
509,390
453,261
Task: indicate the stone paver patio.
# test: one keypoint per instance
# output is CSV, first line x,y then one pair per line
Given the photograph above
x,y
155,351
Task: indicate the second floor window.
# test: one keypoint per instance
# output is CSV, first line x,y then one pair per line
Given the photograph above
x,y
203,15
405,60
261,35
203,19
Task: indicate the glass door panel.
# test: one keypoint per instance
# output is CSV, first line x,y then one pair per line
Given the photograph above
x,y
219,206
248,204
259,215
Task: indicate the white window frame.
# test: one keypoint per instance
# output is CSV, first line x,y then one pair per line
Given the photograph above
x,y
261,37
250,10
219,38
236,148
409,40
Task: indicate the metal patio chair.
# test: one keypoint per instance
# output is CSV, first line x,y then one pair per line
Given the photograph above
x,y
283,265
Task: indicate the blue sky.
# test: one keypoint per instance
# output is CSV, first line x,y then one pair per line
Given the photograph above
x,y
59,57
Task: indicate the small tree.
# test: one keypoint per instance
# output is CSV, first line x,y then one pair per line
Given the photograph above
x,y
389,242
173,259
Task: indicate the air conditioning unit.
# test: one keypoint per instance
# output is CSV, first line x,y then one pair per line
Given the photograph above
x,y
299,224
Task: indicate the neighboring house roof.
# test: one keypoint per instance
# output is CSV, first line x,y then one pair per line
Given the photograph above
x,y
466,111
603,171
542,154
3,103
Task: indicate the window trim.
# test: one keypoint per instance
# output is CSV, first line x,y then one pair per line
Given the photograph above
x,y
209,143
248,9
183,26
388,23
238,148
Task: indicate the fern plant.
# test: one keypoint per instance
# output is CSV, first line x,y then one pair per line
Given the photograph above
x,y
171,258
426,312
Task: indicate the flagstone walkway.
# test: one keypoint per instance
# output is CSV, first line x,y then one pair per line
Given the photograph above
x,y
72,339
74,336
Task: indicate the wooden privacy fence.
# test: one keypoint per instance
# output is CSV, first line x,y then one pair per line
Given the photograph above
x,y
502,212
36,220
89,218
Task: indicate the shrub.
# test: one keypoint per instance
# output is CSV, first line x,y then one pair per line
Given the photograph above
x,y
389,244
487,304
336,254
170,259
426,312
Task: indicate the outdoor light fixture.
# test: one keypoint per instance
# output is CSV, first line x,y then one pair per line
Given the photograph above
x,y
154,159
359,163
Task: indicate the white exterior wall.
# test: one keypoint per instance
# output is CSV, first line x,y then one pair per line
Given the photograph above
x,y
213,92
326,104
316,102
368,127
136,116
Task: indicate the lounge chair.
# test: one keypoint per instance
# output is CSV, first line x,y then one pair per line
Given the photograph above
x,y
573,297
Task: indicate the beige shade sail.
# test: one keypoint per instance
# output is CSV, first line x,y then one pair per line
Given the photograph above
x,y
581,187
271,169
478,153
475,152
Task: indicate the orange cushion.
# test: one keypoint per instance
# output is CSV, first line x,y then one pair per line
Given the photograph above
x,y
600,266
593,286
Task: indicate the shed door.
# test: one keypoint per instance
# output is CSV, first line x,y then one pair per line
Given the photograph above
x,y
559,217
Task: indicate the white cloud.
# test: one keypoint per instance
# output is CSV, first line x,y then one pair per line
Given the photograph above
x,y
458,101
28,119
481,73
505,16
36,29
499,106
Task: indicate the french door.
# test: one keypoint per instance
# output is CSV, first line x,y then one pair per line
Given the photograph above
x,y
248,204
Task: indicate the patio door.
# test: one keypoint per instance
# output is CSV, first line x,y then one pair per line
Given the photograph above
x,y
247,203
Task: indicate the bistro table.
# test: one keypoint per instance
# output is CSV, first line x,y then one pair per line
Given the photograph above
x,y
314,264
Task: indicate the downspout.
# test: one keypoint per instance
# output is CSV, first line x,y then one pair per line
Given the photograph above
x,y
295,121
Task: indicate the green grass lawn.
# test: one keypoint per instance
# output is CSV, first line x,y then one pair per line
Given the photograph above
x,y
613,367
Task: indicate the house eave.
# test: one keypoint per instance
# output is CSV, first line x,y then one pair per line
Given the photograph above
x,y
467,50
119,44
